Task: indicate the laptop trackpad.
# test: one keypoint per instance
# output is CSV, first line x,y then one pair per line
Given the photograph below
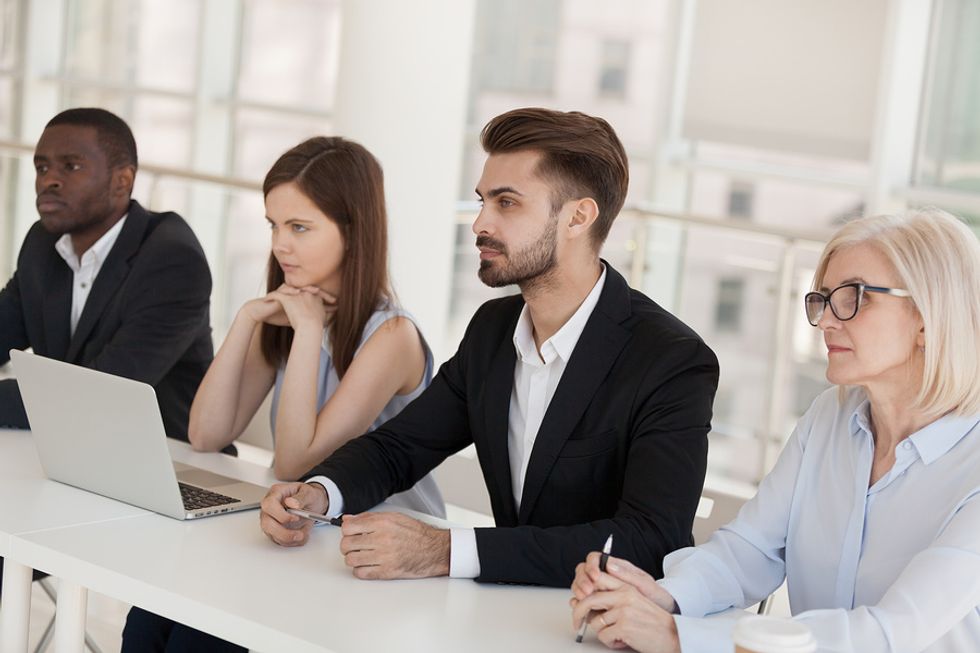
x,y
202,478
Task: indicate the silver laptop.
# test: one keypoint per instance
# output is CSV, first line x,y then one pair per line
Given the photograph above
x,y
103,433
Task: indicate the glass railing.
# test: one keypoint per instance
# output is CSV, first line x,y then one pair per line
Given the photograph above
x,y
738,284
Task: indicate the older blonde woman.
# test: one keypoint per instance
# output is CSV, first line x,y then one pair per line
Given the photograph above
x,y
872,512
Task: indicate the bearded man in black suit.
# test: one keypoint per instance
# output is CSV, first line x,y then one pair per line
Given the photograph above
x,y
588,403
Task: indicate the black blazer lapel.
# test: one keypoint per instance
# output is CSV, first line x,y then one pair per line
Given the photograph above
x,y
497,391
56,307
113,273
596,351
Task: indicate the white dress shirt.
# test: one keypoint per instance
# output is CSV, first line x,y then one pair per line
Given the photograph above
x,y
536,378
887,569
87,269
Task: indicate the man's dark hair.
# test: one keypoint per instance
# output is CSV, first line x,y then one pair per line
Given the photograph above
x,y
580,153
114,136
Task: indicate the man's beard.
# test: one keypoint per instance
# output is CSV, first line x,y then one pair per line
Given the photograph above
x,y
524,267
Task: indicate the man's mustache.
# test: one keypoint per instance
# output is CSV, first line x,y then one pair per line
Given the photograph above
x,y
487,241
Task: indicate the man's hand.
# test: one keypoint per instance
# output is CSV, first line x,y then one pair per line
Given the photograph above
x,y
285,528
626,618
619,572
392,545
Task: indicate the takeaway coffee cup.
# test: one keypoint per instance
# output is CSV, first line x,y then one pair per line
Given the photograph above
x,y
761,634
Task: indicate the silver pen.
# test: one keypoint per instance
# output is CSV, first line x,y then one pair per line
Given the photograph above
x,y
606,550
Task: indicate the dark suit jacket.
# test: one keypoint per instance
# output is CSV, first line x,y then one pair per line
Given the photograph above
x,y
146,317
622,448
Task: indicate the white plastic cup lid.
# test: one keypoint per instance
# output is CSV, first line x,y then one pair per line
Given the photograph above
x,y
764,634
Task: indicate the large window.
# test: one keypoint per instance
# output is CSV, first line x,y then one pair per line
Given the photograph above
x,y
516,45
950,145
214,88
736,175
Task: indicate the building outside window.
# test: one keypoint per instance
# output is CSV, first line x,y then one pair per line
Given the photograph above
x,y
614,68
740,200
728,305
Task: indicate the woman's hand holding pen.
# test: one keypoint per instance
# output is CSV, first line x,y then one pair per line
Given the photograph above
x,y
588,579
624,617
624,605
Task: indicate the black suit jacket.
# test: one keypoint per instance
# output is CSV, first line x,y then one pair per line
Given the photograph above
x,y
622,448
146,317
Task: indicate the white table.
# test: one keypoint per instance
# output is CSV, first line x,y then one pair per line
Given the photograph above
x,y
222,575
30,503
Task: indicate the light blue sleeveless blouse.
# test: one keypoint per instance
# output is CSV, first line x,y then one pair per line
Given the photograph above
x,y
424,496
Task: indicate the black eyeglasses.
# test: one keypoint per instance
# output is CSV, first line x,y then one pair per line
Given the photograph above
x,y
844,300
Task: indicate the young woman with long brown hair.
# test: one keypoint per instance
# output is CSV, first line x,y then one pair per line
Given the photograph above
x,y
328,339
340,356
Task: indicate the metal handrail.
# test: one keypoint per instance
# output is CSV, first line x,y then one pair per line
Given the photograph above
x,y
790,238
160,171
465,208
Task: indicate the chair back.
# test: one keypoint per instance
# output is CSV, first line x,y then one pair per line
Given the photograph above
x,y
715,509
460,480
258,433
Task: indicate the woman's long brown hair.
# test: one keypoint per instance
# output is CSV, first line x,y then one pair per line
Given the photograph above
x,y
345,181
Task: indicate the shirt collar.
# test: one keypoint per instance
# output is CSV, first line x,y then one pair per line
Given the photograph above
x,y
861,418
932,441
99,250
936,439
563,342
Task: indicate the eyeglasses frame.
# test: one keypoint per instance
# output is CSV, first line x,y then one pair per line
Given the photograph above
x,y
861,288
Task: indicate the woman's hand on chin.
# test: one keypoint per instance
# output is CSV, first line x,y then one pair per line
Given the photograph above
x,y
266,309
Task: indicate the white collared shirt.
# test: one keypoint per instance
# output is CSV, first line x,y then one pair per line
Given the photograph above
x,y
535,381
87,269
536,377
890,568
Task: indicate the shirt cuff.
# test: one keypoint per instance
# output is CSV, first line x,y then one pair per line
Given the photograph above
x,y
684,594
464,560
712,633
688,590
335,499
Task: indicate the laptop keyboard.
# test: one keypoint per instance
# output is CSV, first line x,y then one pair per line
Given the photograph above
x,y
195,497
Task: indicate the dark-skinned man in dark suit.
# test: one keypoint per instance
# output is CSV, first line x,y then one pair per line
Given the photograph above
x,y
588,403
100,281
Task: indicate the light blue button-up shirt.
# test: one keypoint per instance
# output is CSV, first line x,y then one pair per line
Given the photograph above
x,y
891,568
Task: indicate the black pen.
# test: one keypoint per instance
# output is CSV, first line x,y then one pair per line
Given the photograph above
x,y
603,559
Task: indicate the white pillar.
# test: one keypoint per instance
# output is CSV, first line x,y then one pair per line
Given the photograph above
x,y
207,212
69,620
15,609
402,92
671,180
900,86
39,102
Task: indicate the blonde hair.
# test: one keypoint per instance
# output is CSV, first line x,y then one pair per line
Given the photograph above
x,y
937,258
